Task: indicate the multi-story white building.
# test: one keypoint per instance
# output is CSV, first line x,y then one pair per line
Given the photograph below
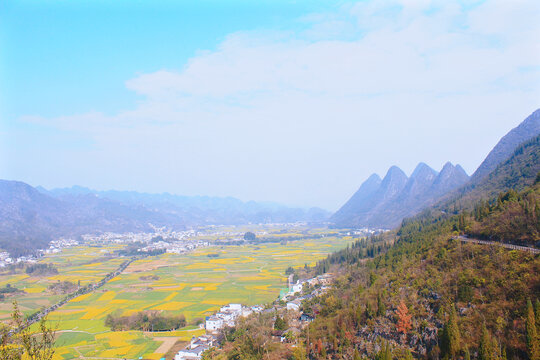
x,y
213,323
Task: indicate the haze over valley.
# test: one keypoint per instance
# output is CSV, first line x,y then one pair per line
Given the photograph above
x,y
269,180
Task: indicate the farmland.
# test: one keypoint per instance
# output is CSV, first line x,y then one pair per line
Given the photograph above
x,y
194,284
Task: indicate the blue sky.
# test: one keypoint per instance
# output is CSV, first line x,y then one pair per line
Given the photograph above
x,y
57,54
291,101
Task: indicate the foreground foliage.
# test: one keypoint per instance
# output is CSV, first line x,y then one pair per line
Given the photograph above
x,y
17,341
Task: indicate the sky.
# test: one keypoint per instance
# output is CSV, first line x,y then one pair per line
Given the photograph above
x,y
296,102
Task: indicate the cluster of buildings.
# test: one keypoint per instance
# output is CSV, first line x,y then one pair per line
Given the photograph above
x,y
319,284
144,237
227,316
174,247
196,347
56,246
6,259
162,239
304,290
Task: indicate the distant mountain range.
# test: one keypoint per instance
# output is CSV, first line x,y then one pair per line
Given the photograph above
x,y
385,203
30,217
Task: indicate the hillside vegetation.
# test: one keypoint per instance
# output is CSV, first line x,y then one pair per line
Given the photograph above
x,y
430,295
518,171
529,128
513,218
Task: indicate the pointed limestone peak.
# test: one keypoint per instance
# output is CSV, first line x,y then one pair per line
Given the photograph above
x,y
461,170
447,168
368,187
423,171
450,178
394,180
394,173
373,179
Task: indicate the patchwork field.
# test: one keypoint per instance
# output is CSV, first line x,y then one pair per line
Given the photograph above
x,y
194,284
78,264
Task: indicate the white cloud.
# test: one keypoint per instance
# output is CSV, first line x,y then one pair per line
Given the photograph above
x,y
304,118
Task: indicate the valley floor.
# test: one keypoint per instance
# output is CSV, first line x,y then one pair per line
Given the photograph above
x,y
194,285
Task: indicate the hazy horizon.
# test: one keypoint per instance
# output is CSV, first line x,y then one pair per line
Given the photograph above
x,y
294,102
262,200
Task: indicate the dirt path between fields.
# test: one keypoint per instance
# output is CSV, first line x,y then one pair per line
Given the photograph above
x,y
167,343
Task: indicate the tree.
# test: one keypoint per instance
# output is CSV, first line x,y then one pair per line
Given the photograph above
x,y
485,351
19,342
381,309
532,337
451,338
385,353
537,312
467,355
249,236
404,318
280,323
299,352
319,347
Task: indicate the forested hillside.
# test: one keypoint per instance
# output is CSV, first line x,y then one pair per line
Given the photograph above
x,y
421,291
430,295
512,218
529,128
517,172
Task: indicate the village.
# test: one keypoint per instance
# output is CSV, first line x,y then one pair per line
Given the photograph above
x,y
289,302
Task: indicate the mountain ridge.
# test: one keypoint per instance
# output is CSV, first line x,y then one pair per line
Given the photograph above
x,y
399,196
527,129
31,217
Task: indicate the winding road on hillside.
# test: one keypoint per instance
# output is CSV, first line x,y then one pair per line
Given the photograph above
x,y
496,243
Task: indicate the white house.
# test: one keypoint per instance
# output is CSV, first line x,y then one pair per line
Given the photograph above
x,y
296,288
204,340
232,308
191,354
213,323
247,311
293,305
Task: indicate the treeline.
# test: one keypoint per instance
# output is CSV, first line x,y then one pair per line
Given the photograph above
x,y
64,287
360,249
145,321
41,269
8,289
